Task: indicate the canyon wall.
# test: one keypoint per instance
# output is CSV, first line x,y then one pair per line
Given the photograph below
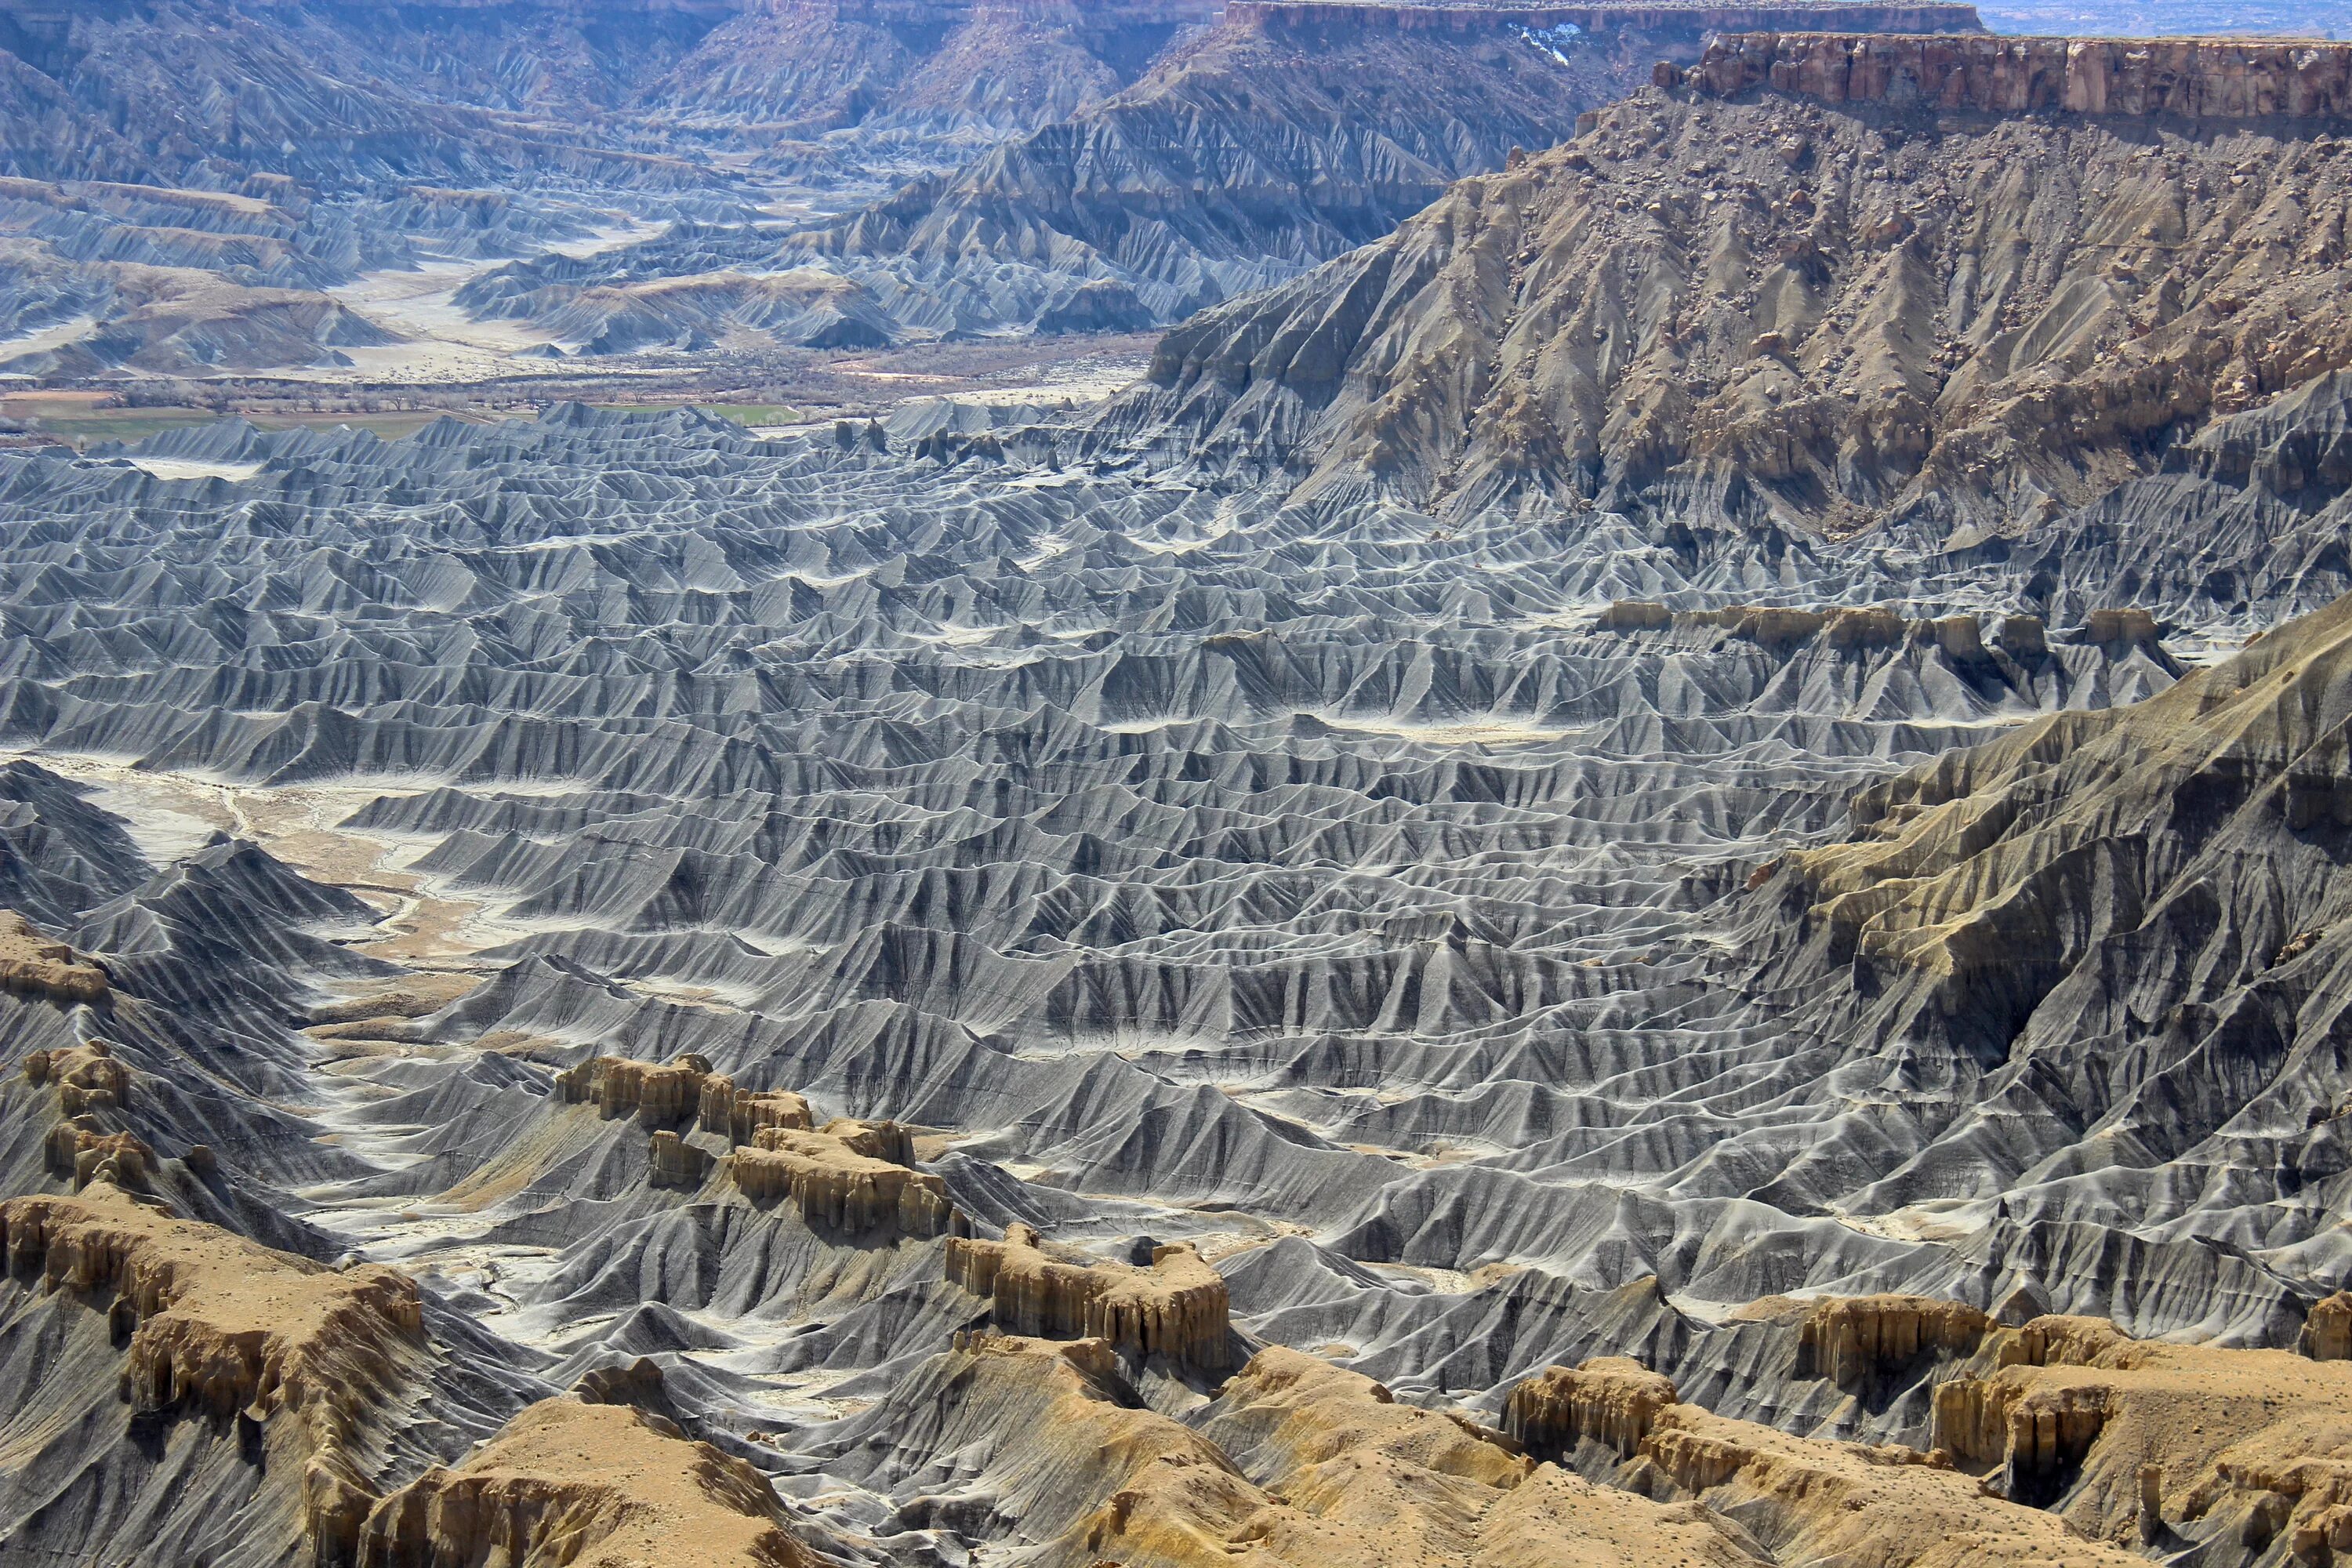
x,y
2209,79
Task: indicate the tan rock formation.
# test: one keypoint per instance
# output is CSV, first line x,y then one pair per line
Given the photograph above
x,y
739,1114
890,1141
1178,1308
672,1162
2255,1443
2137,627
1968,875
1301,1462
658,1094
38,965
2198,79
573,1485
1635,615
1609,1399
2327,1330
88,1077
219,1326
1855,1505
1849,1340
1088,1475
639,1383
840,1182
87,1155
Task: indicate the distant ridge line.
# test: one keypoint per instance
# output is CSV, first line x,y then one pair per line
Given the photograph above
x,y
1933,16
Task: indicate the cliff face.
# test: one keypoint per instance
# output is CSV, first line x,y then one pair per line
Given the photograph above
x,y
849,1177
658,1094
1609,1400
1176,1310
212,1325
739,1114
1781,309
35,965
2126,1438
2233,1455
2188,78
1852,1340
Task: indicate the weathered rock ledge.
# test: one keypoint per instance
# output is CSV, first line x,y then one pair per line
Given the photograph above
x,y
2198,79
2124,1436
1609,1399
88,1077
1849,1340
847,1176
659,1094
739,1114
1178,1308
38,965
221,1326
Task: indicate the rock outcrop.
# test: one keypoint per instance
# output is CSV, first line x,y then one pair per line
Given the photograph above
x,y
1849,1502
658,1094
585,1486
1296,1464
2233,1449
34,965
737,1115
1177,1309
212,1325
1610,1400
685,1094
2187,78
88,1077
2327,1332
851,1177
84,1154
672,1162
1851,1340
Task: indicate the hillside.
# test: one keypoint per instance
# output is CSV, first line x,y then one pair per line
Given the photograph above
x,y
1749,299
